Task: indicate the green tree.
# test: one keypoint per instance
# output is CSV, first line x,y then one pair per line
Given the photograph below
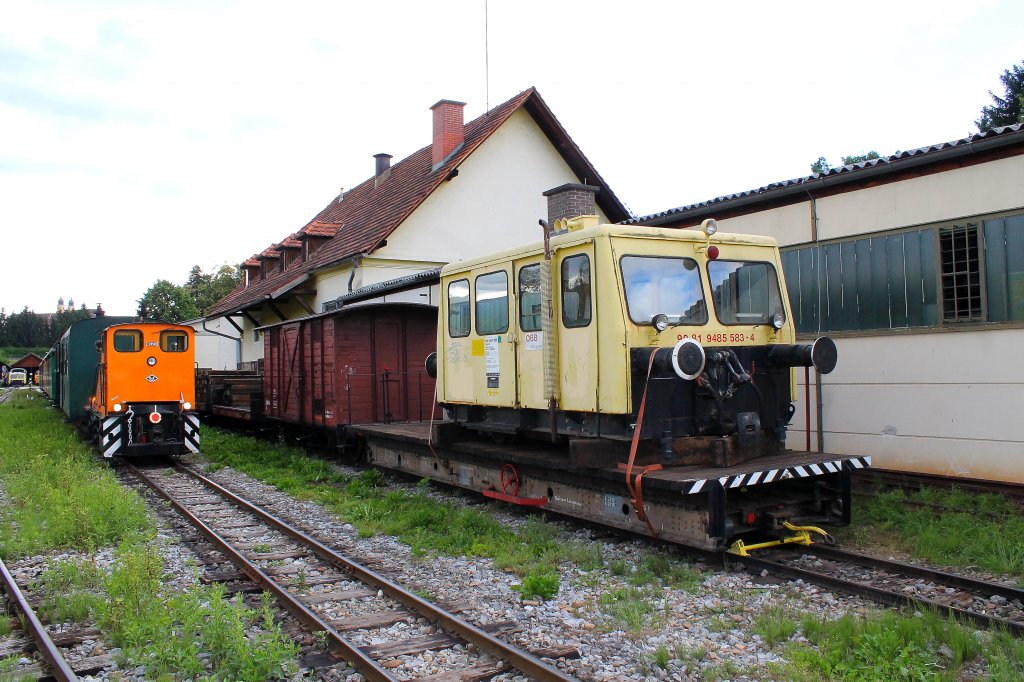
x,y
207,289
60,321
823,166
26,329
168,302
1009,108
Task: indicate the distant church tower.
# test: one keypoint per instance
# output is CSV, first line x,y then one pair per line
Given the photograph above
x,y
71,304
60,305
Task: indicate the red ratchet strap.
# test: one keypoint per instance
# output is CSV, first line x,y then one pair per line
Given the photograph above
x,y
636,485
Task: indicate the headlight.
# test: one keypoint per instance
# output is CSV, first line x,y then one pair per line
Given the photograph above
x,y
778,319
709,226
660,322
186,405
117,407
150,361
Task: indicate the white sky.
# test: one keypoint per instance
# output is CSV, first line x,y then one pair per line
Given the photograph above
x,y
138,139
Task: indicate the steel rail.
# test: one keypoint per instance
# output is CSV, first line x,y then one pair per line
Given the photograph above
x,y
916,481
59,666
960,582
519,659
337,643
876,594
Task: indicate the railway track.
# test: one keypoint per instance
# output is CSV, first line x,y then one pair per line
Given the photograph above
x,y
985,603
54,652
870,480
306,575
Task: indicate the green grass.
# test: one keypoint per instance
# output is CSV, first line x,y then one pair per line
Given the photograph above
x,y
429,525
775,624
13,353
191,633
887,646
983,531
543,585
58,497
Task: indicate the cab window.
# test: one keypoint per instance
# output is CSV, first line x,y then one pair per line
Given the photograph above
x,y
492,303
576,291
173,341
529,298
127,340
657,285
458,308
744,292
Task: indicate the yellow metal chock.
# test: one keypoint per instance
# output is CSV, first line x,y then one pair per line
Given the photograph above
x,y
802,537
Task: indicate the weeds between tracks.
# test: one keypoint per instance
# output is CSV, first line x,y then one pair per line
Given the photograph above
x,y
59,498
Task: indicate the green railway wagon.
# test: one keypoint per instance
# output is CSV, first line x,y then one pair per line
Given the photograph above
x,y
77,358
47,369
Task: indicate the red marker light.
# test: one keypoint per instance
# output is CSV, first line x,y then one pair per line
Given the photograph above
x,y
154,417
751,517
713,252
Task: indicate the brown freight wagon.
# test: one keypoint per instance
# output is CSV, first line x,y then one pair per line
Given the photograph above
x,y
359,365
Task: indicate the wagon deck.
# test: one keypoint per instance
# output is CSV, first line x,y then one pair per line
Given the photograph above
x,y
686,479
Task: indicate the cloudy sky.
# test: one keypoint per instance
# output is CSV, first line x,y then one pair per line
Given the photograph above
x,y
138,139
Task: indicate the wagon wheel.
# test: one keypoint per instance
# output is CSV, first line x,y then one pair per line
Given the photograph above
x,y
509,480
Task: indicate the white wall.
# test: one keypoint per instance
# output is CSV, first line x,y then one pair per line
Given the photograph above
x,y
982,188
944,403
214,351
494,203
941,401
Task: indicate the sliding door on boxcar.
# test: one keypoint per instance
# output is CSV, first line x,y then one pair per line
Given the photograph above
x,y
379,355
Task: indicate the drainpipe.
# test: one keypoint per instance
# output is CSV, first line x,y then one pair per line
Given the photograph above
x,y
817,374
356,260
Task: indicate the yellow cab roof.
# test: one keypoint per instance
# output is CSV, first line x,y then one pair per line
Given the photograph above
x,y
600,231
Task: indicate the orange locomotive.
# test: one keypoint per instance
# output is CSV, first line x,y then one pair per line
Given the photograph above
x,y
144,394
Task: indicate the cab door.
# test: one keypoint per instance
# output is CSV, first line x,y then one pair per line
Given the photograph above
x,y
574,285
493,345
529,336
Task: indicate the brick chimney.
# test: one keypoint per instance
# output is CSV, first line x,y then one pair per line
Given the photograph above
x,y
571,201
448,129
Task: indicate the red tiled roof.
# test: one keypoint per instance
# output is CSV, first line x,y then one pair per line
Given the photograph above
x,y
369,213
269,252
319,228
251,262
290,243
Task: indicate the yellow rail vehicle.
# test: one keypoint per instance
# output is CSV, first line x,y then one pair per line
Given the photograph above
x,y
572,344
661,359
142,404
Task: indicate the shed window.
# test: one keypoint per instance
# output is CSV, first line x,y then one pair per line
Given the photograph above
x,y
127,340
1004,268
961,272
576,291
458,308
529,298
173,341
492,303
944,274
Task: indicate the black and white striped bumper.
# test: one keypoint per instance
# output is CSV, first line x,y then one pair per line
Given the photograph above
x,y
829,466
112,435
191,431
